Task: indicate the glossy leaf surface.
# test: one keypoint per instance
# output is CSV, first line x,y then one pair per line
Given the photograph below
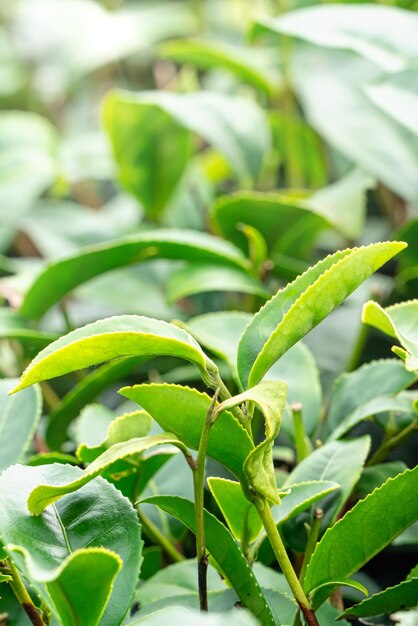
x,y
301,305
182,411
43,547
122,336
362,529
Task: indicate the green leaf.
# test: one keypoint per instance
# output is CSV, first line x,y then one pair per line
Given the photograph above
x,y
60,277
163,123
288,224
220,333
354,389
402,596
49,549
300,306
361,530
122,428
242,516
397,96
18,419
46,494
346,27
338,461
226,553
111,338
189,617
374,476
321,593
397,321
84,392
14,326
185,418
270,397
404,402
246,63
194,279
175,580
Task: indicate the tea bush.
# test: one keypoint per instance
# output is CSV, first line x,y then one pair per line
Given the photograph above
x,y
209,246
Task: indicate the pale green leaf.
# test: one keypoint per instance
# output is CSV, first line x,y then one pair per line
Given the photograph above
x,y
19,416
299,307
182,411
398,321
46,494
121,336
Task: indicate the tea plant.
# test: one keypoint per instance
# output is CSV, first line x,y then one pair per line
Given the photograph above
x,y
173,451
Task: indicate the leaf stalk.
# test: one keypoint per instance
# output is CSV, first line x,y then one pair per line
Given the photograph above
x,y
266,516
21,593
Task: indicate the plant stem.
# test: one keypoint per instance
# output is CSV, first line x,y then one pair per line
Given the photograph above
x,y
388,445
283,560
198,483
156,535
21,594
312,541
301,444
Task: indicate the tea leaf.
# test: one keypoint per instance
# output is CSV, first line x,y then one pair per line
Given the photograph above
x,y
234,125
121,336
402,596
301,305
242,516
206,54
362,532
190,617
338,461
321,593
60,277
351,391
226,553
46,494
193,279
18,419
84,392
288,225
397,321
404,402
270,397
42,547
182,411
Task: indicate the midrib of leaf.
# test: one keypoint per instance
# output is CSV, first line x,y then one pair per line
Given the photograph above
x,y
63,530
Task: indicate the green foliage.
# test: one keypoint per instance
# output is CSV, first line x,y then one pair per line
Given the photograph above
x,y
188,190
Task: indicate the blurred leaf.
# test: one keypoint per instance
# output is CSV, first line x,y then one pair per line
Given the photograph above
x,y
390,44
19,416
374,476
397,321
194,279
248,64
65,274
151,167
189,617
